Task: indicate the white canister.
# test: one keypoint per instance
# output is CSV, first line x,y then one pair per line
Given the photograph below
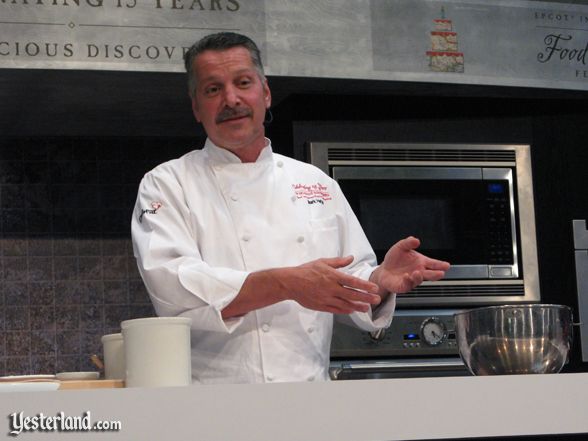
x,y
114,356
157,351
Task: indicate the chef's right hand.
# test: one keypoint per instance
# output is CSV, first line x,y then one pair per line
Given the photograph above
x,y
319,285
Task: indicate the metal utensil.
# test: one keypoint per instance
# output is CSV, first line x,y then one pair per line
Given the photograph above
x,y
514,339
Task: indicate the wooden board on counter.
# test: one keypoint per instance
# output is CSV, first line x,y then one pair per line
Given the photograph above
x,y
91,384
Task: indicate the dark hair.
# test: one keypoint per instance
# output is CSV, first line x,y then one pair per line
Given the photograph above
x,y
218,42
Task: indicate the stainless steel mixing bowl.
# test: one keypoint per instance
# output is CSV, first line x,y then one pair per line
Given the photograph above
x,y
514,339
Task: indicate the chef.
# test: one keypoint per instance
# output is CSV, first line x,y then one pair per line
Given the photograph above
x,y
259,250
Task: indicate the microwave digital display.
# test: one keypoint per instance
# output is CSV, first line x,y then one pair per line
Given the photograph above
x,y
496,188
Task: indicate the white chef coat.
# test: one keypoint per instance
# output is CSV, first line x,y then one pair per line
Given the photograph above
x,y
203,222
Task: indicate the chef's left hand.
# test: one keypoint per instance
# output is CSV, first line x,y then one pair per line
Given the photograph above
x,y
404,268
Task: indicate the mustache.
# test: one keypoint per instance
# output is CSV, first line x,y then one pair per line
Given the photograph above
x,y
231,113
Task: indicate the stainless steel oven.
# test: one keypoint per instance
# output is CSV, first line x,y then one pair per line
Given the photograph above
x,y
471,205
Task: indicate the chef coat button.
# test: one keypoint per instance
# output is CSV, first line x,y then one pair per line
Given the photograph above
x,y
269,378
300,239
311,378
294,198
217,167
265,327
234,197
310,330
280,164
246,238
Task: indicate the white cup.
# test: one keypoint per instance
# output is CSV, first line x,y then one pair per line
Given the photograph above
x,y
157,351
114,356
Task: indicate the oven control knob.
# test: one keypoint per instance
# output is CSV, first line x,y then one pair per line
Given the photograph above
x,y
433,331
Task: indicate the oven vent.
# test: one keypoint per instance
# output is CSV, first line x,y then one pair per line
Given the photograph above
x,y
466,290
424,155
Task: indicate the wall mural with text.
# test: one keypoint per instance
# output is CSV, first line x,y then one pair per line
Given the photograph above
x,y
511,43
117,34
514,41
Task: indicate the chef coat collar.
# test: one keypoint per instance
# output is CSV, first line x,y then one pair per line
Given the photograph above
x,y
219,155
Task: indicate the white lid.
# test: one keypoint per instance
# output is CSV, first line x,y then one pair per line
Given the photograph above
x,y
154,321
110,337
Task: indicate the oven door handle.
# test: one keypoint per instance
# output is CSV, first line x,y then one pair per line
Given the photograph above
x,y
395,366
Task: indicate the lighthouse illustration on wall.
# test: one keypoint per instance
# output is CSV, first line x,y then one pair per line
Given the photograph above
x,y
444,56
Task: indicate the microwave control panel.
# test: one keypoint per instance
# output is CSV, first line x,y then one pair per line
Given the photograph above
x,y
412,333
501,249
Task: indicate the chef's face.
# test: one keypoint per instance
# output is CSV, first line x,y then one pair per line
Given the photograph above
x,y
230,100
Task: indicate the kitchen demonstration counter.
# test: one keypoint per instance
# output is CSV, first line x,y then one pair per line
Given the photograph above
x,y
357,410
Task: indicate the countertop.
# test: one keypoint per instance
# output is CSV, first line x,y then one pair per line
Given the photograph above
x,y
357,410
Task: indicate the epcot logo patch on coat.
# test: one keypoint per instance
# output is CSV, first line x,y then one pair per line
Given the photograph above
x,y
153,210
313,193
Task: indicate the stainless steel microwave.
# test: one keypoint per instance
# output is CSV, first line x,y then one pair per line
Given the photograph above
x,y
471,205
